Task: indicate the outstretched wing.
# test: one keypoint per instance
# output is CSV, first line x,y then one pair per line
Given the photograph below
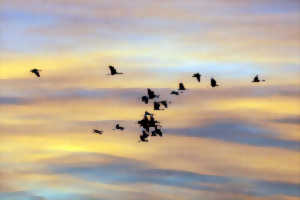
x,y
213,82
181,86
36,72
112,70
256,79
164,103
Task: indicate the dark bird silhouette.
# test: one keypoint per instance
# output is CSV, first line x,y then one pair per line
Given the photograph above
x,y
144,123
156,105
144,136
152,122
213,82
181,87
164,103
118,127
256,79
97,131
198,76
113,70
145,99
151,94
36,72
157,131
174,92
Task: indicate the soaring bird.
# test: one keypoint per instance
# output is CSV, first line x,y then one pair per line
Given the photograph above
x,y
174,92
97,131
118,127
198,76
36,72
151,94
113,70
157,131
256,79
145,99
213,82
156,105
152,122
144,123
181,87
144,136
164,103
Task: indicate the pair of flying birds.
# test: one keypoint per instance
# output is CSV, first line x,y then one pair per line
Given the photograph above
x,y
112,70
117,127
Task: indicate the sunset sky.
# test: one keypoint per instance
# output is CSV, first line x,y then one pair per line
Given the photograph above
x,y
238,141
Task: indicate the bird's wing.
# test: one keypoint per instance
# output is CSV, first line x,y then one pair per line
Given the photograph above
x,y
112,69
213,81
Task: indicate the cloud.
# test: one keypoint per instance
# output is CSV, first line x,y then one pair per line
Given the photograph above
x,y
288,120
127,171
12,100
237,131
20,195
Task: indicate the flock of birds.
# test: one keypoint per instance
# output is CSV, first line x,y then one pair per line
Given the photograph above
x,y
148,120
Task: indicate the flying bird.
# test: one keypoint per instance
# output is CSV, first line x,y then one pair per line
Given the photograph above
x,y
156,105
144,136
151,94
158,131
36,72
213,82
145,99
256,79
118,127
152,122
198,76
113,70
164,103
97,131
181,87
144,123
174,92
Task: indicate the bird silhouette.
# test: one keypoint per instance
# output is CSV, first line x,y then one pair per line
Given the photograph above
x,y
113,70
174,92
36,72
156,105
145,99
198,76
97,131
256,79
213,82
144,136
158,131
164,103
151,94
118,127
152,122
144,123
181,87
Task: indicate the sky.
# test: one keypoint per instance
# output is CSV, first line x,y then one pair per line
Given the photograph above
x,y
237,141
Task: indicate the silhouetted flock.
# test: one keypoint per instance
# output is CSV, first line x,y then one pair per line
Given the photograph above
x,y
150,126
